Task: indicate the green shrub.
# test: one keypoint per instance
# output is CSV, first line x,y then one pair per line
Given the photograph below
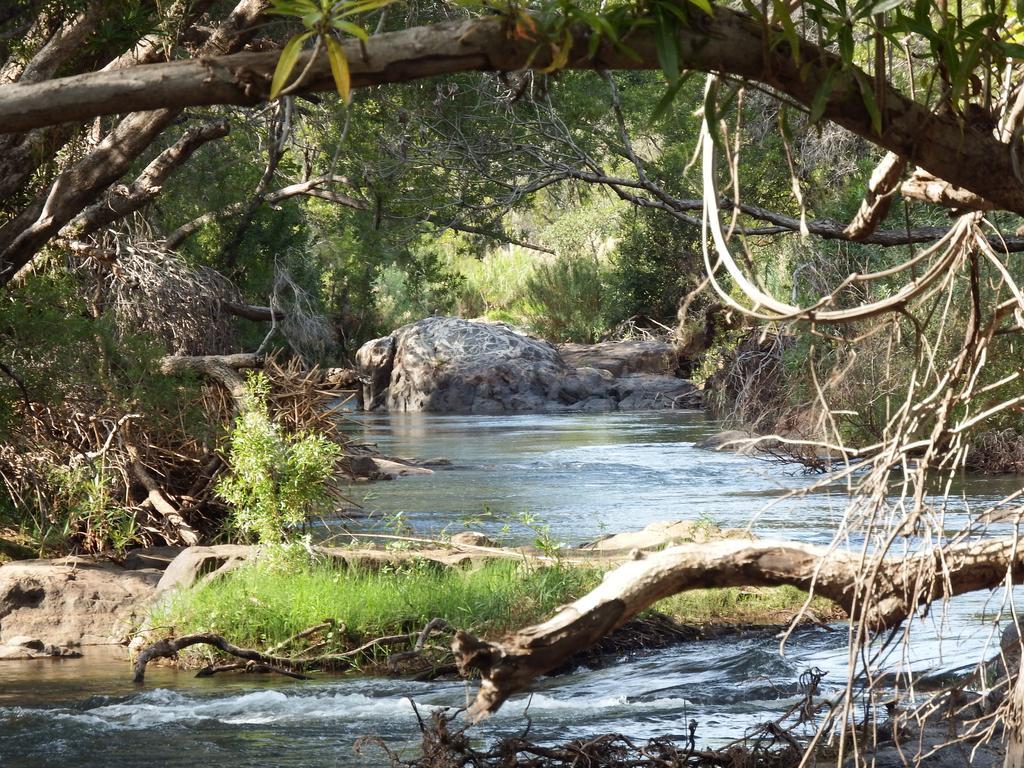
x,y
567,298
275,481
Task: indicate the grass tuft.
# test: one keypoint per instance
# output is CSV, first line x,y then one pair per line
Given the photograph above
x,y
258,604
263,603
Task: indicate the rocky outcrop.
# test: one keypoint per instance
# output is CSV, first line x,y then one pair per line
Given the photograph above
x,y
621,357
451,365
71,601
195,563
23,647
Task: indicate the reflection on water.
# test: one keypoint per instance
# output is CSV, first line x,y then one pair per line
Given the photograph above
x,y
583,475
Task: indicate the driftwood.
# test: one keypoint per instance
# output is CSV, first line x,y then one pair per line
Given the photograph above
x,y
292,666
897,586
221,368
170,647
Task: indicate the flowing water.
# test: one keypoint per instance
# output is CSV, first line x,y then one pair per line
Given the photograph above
x,y
565,478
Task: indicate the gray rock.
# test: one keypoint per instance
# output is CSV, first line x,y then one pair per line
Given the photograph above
x,y
151,557
620,357
473,539
26,641
650,391
70,601
597,405
451,365
195,563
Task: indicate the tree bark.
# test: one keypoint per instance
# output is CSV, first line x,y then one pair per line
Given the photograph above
x,y
221,368
965,154
896,590
252,312
79,185
119,203
878,199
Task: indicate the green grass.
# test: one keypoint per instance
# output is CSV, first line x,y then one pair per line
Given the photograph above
x,y
261,605
744,605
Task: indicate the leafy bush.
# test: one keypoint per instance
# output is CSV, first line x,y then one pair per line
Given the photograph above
x,y
566,299
275,480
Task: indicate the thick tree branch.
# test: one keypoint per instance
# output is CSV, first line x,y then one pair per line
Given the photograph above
x,y
221,368
252,312
965,154
118,203
878,199
81,183
899,586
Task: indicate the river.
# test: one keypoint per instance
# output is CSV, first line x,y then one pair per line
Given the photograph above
x,y
576,477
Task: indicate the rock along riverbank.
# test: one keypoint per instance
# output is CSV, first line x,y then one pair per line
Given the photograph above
x,y
451,365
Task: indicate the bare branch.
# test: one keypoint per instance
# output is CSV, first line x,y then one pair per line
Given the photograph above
x,y
118,203
510,665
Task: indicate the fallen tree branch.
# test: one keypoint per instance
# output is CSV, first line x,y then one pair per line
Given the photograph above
x,y
432,627
170,647
155,495
252,312
248,666
898,588
221,368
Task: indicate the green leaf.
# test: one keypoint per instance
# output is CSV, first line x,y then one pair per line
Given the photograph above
x,y
885,5
868,95
339,68
291,7
353,29
846,43
780,12
362,7
662,107
704,5
1013,50
668,51
285,64
820,100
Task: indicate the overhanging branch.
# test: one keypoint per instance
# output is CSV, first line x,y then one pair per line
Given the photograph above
x,y
964,154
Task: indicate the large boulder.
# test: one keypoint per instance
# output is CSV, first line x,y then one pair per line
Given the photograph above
x,y
451,365
447,364
197,563
71,601
620,357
